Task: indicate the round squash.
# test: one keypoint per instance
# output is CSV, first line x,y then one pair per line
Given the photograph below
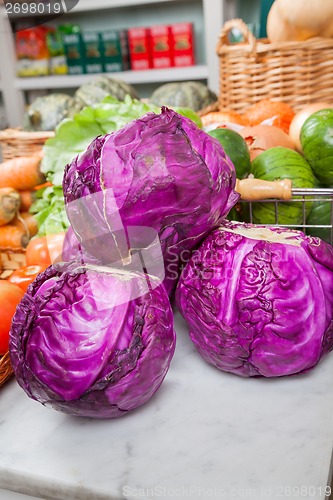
x,y
299,20
194,95
276,164
100,87
46,112
317,144
236,148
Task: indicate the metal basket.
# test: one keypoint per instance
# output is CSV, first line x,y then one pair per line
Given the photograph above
x,y
303,196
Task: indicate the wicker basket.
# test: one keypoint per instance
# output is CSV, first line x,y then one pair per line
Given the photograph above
x,y
297,73
15,142
9,261
6,370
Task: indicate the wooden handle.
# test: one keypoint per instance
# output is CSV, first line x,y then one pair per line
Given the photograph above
x,y
257,189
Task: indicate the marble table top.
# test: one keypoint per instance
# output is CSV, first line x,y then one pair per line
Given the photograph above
x,y
204,435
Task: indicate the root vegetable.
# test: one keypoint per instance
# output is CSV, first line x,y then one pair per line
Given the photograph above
x,y
9,204
12,238
21,173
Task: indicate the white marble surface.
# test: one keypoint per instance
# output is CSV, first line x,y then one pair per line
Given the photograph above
x,y
204,435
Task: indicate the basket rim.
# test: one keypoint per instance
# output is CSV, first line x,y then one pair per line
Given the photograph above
x,y
6,369
264,45
16,133
258,45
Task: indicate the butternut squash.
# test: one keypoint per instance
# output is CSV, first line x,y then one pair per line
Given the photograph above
x,y
299,20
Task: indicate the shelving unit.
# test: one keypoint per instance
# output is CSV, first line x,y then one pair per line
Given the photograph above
x,y
212,12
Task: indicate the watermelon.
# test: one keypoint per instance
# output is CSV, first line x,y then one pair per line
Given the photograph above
x,y
235,213
321,214
276,164
317,144
236,148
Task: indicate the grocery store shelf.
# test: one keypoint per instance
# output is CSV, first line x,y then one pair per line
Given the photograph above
x,y
88,5
147,76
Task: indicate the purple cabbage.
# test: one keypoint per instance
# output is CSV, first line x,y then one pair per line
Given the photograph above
x,y
259,301
92,343
159,175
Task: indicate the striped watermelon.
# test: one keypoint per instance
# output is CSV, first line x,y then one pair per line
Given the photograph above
x,y
317,144
321,214
276,164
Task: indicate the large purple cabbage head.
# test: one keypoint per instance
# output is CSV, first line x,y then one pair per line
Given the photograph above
x,y
259,301
159,176
93,343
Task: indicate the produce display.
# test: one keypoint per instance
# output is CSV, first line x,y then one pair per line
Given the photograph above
x,y
132,202
276,152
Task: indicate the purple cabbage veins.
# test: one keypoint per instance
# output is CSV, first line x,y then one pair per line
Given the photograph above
x,y
259,301
93,343
159,178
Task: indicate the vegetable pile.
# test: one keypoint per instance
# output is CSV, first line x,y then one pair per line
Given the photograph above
x,y
282,144
141,191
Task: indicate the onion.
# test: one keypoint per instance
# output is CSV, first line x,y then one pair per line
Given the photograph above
x,y
300,117
225,119
259,138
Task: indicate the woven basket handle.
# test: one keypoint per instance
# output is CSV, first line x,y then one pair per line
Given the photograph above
x,y
249,38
